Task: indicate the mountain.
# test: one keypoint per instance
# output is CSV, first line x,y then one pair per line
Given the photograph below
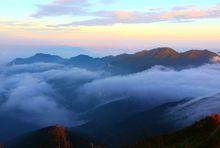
x,y
191,110
87,62
38,58
126,121
53,137
202,134
130,63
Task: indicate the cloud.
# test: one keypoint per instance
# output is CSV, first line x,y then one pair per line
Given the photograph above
x,y
196,109
184,7
61,7
106,2
216,59
177,14
46,94
68,7
38,93
155,86
31,100
32,68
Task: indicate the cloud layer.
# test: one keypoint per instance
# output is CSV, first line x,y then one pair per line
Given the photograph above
x,y
156,86
182,13
31,93
67,7
61,7
57,94
178,14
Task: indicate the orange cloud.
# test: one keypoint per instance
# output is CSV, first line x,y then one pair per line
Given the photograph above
x,y
186,13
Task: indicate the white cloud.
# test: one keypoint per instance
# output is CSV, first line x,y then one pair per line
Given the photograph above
x,y
216,59
156,86
184,13
30,92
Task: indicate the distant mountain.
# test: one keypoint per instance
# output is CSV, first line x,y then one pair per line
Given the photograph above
x,y
202,134
160,56
87,62
53,137
130,63
38,58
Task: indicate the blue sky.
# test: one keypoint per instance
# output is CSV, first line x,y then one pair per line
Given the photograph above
x,y
105,26
23,8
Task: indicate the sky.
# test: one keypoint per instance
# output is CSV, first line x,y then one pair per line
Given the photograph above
x,y
107,26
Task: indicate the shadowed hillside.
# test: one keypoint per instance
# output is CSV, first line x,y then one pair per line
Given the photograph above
x,y
202,134
53,137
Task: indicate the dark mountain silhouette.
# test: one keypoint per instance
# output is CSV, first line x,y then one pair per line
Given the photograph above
x,y
130,63
53,137
87,62
38,58
202,134
126,121
15,125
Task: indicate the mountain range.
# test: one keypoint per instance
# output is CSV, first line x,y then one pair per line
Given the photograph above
x,y
129,63
202,134
101,110
125,123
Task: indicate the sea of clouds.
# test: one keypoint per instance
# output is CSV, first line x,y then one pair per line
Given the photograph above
x,y
47,94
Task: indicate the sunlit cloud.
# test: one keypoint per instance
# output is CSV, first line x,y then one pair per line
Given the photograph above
x,y
178,13
61,7
67,7
111,24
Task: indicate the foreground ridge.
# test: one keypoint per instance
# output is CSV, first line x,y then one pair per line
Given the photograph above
x,y
202,134
53,137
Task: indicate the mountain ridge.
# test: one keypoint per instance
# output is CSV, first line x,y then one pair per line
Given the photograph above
x,y
39,57
53,137
129,63
203,133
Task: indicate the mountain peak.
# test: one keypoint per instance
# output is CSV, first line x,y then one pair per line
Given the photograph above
x,y
199,53
83,56
164,52
42,54
38,58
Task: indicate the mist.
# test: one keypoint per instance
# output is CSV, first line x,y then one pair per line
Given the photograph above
x,y
156,86
47,94
31,93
